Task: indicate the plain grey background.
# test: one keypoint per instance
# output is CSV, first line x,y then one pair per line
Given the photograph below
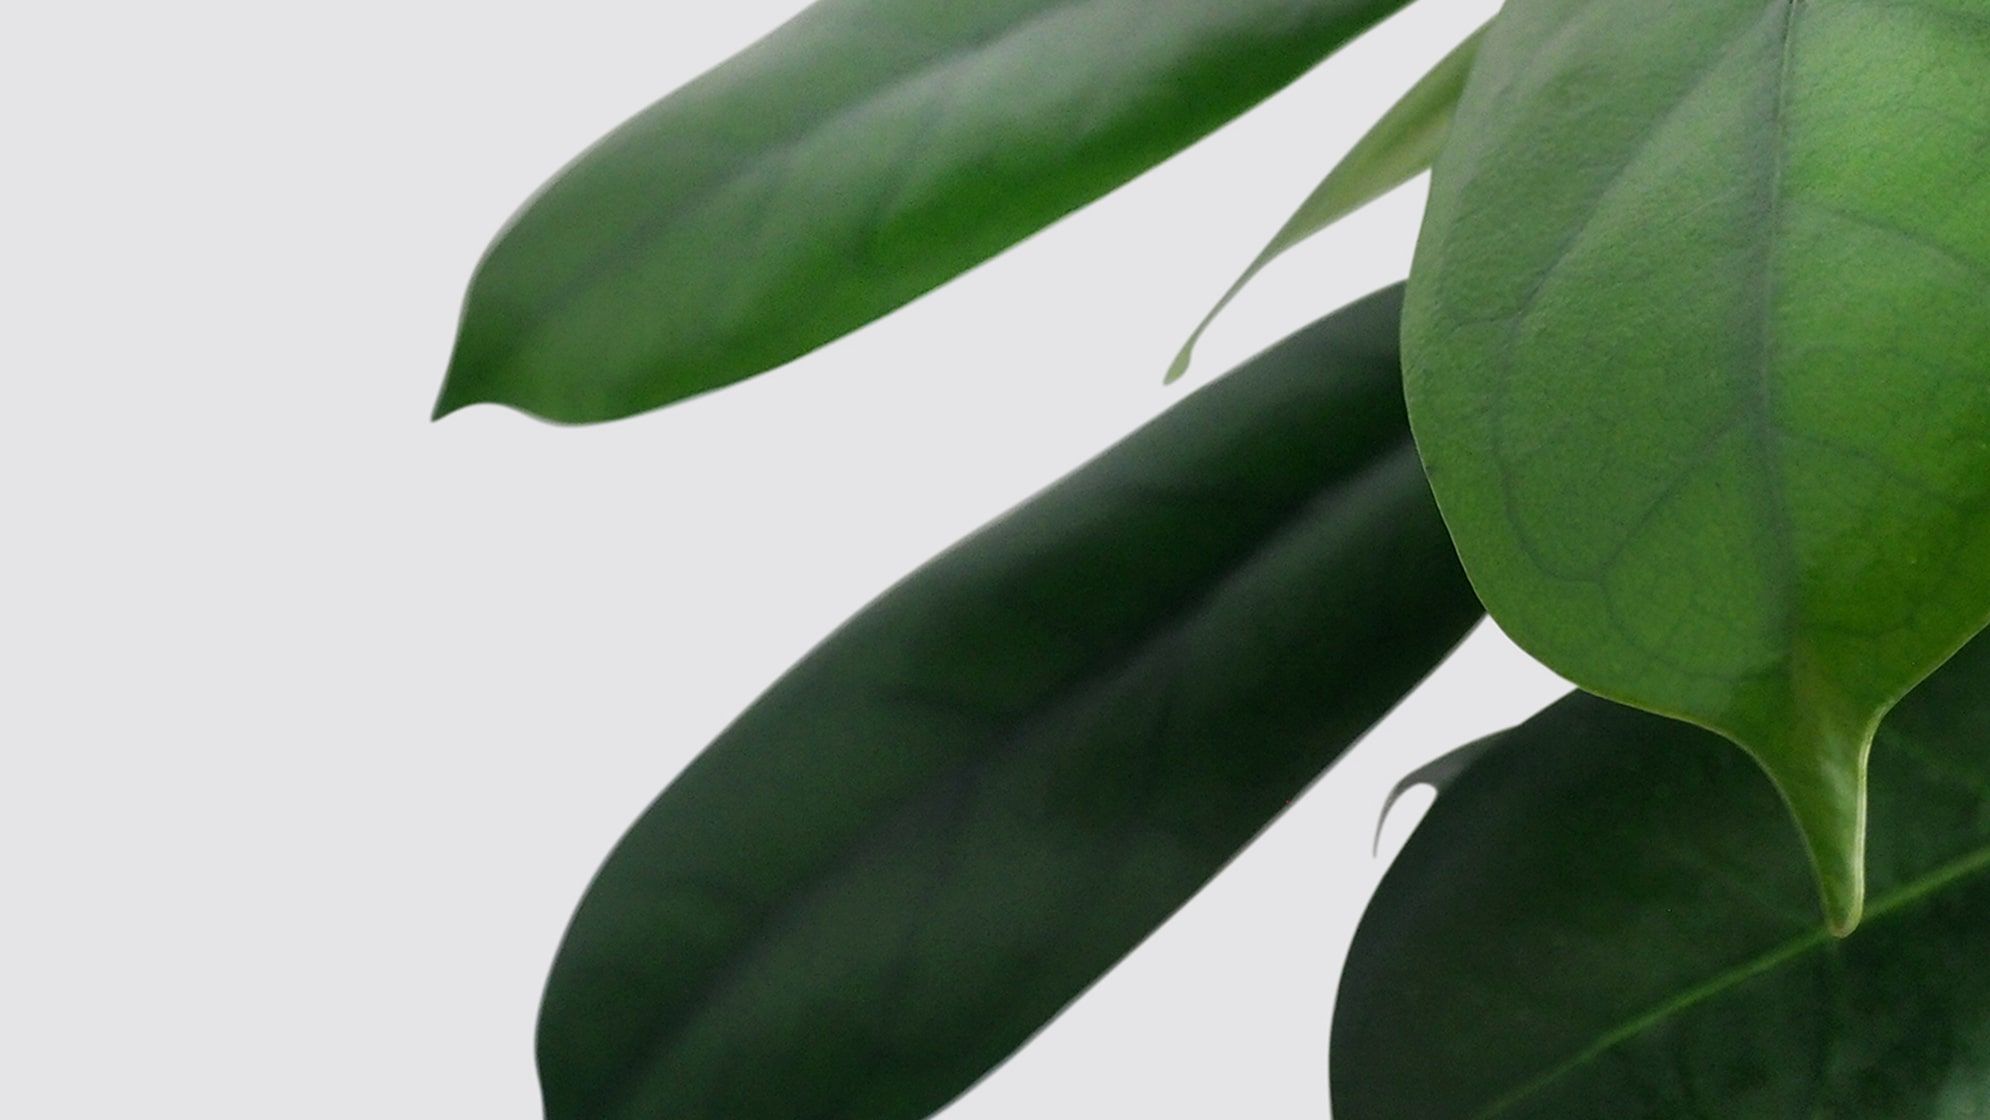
x,y
316,718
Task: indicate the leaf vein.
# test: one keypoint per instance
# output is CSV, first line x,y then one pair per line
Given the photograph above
x,y
1963,867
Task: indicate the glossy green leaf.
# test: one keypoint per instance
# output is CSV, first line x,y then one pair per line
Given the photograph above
x,y
860,155
1698,357
1400,147
1604,918
980,793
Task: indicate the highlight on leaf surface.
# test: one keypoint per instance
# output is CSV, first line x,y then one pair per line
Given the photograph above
x,y
1400,147
1696,355
859,156
979,794
1603,917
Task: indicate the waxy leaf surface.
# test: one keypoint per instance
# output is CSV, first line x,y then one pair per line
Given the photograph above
x,y
1698,357
986,788
1604,918
860,155
1400,147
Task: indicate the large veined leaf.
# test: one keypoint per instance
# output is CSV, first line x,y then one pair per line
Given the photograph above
x,y
1604,918
1400,147
980,793
1698,357
858,156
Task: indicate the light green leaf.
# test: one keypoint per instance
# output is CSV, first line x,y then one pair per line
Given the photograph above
x,y
1399,148
1698,358
857,157
1604,918
981,792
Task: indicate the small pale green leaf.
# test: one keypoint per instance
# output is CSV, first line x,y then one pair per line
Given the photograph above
x,y
1698,357
985,789
857,157
1399,148
1604,918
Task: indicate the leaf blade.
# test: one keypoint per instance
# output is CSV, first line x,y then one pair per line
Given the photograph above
x,y
1400,147
1602,917
1698,441
857,157
988,786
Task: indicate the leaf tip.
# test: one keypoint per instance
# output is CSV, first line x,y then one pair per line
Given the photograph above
x,y
447,402
458,393
476,375
1821,774
461,379
1437,774
1840,858
1844,923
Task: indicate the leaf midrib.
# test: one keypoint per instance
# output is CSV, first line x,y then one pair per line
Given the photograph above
x,y
1759,400
1974,862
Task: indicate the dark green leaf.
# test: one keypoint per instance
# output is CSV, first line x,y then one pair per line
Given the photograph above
x,y
1604,918
1399,148
1698,355
985,789
860,155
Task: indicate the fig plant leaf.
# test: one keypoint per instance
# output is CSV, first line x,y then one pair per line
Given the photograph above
x,y
1603,916
974,798
1400,147
855,158
1698,357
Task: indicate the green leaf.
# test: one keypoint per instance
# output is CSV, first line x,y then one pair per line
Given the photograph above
x,y
1399,148
981,792
1698,357
862,154
1605,918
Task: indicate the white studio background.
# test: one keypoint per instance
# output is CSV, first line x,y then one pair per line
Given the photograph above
x,y
316,717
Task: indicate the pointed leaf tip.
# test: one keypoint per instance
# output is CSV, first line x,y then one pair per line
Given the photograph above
x,y
1438,774
1818,766
446,404
1837,852
455,395
475,377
